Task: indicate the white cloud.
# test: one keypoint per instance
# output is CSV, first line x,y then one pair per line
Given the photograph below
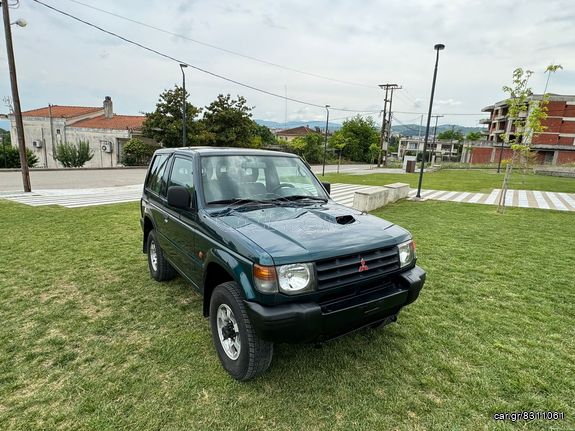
x,y
64,62
448,102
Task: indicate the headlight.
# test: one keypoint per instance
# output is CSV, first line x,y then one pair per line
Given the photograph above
x,y
406,253
289,279
296,278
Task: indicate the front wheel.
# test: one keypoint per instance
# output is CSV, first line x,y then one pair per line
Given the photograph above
x,y
242,353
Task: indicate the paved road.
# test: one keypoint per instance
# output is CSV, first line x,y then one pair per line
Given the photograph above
x,y
341,193
72,179
11,181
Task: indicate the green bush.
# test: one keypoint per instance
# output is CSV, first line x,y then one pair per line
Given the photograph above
x,y
73,156
310,147
10,157
137,153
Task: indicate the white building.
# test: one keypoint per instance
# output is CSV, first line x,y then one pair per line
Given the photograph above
x,y
439,149
105,132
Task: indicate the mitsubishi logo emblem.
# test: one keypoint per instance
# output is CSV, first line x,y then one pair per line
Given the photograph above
x,y
362,265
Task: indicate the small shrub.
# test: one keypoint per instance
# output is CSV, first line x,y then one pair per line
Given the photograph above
x,y
10,157
137,153
73,156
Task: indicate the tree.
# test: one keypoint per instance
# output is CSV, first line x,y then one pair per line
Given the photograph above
x,y
310,147
267,137
451,135
552,68
136,152
473,136
359,134
339,142
526,118
227,122
73,156
10,156
165,124
374,150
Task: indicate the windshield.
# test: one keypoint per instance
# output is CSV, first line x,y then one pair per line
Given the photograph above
x,y
226,179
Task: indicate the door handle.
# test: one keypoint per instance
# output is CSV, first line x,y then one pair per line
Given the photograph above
x,y
166,219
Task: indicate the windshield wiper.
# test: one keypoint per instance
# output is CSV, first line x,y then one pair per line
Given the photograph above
x,y
301,198
236,201
236,205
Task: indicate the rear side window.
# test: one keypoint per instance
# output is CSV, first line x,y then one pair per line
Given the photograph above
x,y
182,173
156,178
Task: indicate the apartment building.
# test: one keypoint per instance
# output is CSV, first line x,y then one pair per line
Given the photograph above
x,y
555,145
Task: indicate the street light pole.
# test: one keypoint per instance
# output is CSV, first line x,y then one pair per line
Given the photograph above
x,y
16,96
184,133
437,48
325,140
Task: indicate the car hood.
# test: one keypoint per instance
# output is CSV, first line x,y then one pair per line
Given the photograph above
x,y
299,234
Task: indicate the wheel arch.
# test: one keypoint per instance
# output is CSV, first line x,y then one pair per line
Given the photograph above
x,y
221,267
147,226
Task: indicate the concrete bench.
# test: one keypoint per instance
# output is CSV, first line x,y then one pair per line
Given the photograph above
x,y
377,197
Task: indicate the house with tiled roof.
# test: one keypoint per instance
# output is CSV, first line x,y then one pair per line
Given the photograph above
x,y
105,132
288,135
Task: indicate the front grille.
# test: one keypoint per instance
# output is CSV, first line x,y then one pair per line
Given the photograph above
x,y
343,270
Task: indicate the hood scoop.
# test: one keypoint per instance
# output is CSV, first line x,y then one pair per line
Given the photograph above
x,y
342,219
345,219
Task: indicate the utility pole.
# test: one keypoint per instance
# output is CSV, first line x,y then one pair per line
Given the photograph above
x,y
383,142
435,132
184,131
325,140
388,134
16,98
435,128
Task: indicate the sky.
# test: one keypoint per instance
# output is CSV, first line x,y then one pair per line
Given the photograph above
x,y
363,43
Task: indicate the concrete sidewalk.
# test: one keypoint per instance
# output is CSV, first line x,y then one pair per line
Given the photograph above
x,y
341,193
513,198
11,180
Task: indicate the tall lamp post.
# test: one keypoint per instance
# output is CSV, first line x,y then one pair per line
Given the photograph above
x,y
438,47
184,133
15,94
325,140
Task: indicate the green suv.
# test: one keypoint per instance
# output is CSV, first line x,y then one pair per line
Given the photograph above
x,y
275,258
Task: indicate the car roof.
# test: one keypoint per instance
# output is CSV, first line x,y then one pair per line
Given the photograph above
x,y
224,151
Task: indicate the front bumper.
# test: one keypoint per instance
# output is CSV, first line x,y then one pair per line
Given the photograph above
x,y
308,322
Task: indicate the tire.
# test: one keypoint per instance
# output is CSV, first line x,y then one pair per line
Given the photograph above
x,y
252,356
160,270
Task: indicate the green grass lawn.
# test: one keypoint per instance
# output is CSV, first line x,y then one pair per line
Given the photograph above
x,y
89,341
472,180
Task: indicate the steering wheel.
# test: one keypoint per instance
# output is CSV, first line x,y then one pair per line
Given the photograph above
x,y
283,186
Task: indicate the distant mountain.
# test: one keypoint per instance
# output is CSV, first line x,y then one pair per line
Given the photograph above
x,y
403,129
292,124
415,130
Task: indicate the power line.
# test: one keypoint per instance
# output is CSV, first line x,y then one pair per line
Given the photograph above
x,y
228,51
405,125
169,57
444,113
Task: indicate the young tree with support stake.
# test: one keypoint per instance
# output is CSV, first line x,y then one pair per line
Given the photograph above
x,y
525,126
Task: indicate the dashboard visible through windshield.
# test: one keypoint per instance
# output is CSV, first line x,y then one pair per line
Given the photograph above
x,y
239,178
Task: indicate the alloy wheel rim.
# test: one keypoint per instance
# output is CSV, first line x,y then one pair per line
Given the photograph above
x,y
228,332
153,256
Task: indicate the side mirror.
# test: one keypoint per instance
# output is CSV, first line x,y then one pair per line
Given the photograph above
x,y
179,197
327,186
